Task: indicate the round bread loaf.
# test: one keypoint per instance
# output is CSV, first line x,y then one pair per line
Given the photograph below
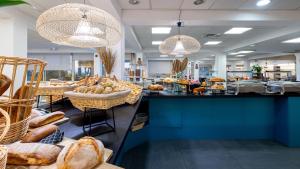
x,y
85,153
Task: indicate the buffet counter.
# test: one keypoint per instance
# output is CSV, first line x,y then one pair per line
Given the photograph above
x,y
184,116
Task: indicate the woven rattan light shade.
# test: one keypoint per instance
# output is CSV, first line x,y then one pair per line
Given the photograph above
x,y
190,45
79,25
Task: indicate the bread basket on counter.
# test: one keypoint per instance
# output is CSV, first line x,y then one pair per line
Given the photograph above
x,y
3,148
98,101
21,77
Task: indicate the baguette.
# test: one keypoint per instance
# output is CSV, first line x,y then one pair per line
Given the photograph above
x,y
32,154
46,119
39,133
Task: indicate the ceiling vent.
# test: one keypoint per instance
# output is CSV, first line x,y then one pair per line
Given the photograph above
x,y
198,2
212,35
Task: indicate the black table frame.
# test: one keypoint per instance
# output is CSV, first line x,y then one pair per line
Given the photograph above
x,y
88,113
51,103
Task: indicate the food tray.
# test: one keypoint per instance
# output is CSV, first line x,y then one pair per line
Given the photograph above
x,y
98,101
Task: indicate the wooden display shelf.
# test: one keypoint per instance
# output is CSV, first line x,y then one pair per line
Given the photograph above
x,y
66,141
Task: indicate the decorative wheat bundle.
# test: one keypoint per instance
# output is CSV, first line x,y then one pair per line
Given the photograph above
x,y
179,66
108,59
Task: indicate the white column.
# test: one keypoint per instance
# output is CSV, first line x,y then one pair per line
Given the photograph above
x,y
196,71
220,65
247,65
13,33
297,66
97,65
119,51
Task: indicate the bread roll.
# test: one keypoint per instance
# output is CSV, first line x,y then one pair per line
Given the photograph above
x,y
39,133
46,119
4,83
32,154
85,153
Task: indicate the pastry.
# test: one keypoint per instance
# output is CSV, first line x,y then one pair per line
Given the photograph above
x,y
32,154
39,133
46,119
85,153
4,83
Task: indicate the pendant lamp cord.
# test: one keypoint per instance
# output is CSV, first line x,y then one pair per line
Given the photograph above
x,y
179,23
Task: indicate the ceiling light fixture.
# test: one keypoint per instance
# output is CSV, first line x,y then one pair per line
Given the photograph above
x,y
133,2
240,55
179,44
296,40
79,25
237,30
261,3
198,2
161,30
233,53
213,42
245,51
156,42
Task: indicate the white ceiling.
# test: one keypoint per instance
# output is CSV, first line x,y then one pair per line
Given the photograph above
x,y
270,24
210,4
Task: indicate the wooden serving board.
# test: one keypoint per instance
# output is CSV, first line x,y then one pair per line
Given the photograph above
x,y
66,141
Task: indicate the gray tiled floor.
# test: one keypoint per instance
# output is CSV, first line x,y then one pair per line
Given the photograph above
x,y
232,154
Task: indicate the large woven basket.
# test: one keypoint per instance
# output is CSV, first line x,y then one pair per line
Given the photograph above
x,y
4,128
98,101
18,99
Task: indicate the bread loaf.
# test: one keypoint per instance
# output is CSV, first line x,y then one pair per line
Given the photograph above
x,y
85,153
39,133
46,119
4,83
32,154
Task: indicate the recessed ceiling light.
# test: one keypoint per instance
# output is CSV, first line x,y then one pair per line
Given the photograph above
x,y
233,53
212,55
245,51
198,2
163,56
134,2
253,45
156,42
161,30
263,2
237,30
240,55
296,40
179,56
213,42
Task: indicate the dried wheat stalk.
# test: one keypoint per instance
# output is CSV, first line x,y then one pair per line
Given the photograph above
x,y
108,59
179,66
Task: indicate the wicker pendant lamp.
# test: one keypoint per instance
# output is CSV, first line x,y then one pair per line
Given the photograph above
x,y
79,25
179,45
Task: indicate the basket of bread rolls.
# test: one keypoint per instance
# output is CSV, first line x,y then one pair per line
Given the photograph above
x,y
105,94
3,148
17,93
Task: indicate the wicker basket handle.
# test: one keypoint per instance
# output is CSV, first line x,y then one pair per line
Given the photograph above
x,y
7,123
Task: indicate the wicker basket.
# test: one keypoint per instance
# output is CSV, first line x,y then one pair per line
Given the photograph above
x,y
4,128
132,100
18,99
98,101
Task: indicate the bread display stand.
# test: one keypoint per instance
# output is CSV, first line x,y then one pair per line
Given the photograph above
x,y
89,103
65,142
52,91
18,99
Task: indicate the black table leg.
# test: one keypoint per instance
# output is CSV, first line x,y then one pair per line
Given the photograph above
x,y
38,101
51,103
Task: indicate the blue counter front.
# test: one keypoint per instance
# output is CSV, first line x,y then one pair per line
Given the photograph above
x,y
236,117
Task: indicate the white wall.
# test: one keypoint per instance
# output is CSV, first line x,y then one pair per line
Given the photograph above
x,y
60,61
159,66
